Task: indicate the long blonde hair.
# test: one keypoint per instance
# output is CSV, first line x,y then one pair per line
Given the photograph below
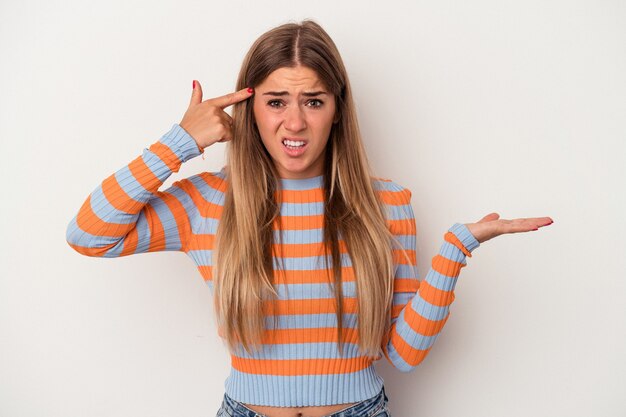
x,y
243,256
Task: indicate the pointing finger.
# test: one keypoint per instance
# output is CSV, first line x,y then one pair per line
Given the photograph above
x,y
232,98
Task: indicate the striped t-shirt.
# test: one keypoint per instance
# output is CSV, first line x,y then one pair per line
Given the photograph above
x,y
299,363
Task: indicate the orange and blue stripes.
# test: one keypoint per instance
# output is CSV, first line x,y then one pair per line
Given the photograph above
x,y
299,363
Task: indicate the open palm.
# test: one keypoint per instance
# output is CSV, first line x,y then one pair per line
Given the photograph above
x,y
492,225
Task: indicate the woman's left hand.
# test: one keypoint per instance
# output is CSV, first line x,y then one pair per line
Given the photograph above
x,y
492,225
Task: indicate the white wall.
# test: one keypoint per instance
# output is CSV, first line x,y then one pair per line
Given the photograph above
x,y
513,107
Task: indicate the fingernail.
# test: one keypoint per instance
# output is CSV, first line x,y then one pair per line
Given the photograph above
x,y
250,90
193,85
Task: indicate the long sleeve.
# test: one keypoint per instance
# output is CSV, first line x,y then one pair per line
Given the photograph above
x,y
421,308
126,214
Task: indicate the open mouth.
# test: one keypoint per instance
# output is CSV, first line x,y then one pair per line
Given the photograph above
x,y
294,144
294,147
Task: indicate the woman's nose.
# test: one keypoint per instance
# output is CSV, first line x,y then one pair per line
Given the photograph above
x,y
294,119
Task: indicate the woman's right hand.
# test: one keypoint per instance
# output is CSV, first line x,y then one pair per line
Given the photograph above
x,y
206,121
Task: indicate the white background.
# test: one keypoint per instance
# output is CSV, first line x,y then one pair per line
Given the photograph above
x,y
481,106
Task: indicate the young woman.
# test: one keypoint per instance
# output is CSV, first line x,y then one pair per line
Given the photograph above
x,y
310,259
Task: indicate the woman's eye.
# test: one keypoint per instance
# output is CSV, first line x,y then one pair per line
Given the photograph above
x,y
278,103
271,103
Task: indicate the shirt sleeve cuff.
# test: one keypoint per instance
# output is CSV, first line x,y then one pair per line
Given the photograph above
x,y
181,143
465,237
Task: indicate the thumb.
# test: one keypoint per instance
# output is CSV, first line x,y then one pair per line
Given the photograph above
x,y
196,93
489,217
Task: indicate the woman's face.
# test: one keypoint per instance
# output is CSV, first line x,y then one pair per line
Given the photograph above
x,y
293,104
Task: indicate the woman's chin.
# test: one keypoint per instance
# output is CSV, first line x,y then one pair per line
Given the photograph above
x,y
295,172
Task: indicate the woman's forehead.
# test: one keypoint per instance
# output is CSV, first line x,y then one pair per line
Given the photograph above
x,y
289,81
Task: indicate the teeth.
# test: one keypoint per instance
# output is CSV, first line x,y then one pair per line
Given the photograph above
x,y
293,142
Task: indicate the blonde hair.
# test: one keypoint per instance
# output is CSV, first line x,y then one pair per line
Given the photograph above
x,y
243,263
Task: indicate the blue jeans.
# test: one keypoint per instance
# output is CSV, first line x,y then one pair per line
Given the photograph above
x,y
371,407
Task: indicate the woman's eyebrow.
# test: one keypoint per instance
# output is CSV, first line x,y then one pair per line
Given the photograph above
x,y
285,93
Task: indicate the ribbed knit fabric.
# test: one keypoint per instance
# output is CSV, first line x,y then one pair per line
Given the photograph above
x,y
299,364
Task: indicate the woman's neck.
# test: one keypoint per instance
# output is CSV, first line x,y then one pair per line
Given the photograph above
x,y
302,183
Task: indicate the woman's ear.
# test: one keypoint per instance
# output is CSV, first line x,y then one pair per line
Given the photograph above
x,y
337,109
253,118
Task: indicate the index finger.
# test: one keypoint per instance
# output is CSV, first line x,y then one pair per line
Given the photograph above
x,y
231,98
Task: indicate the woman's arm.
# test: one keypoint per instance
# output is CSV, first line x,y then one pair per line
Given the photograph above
x,y
126,214
420,309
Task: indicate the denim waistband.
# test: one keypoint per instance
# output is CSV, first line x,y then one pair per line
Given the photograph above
x,y
363,408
